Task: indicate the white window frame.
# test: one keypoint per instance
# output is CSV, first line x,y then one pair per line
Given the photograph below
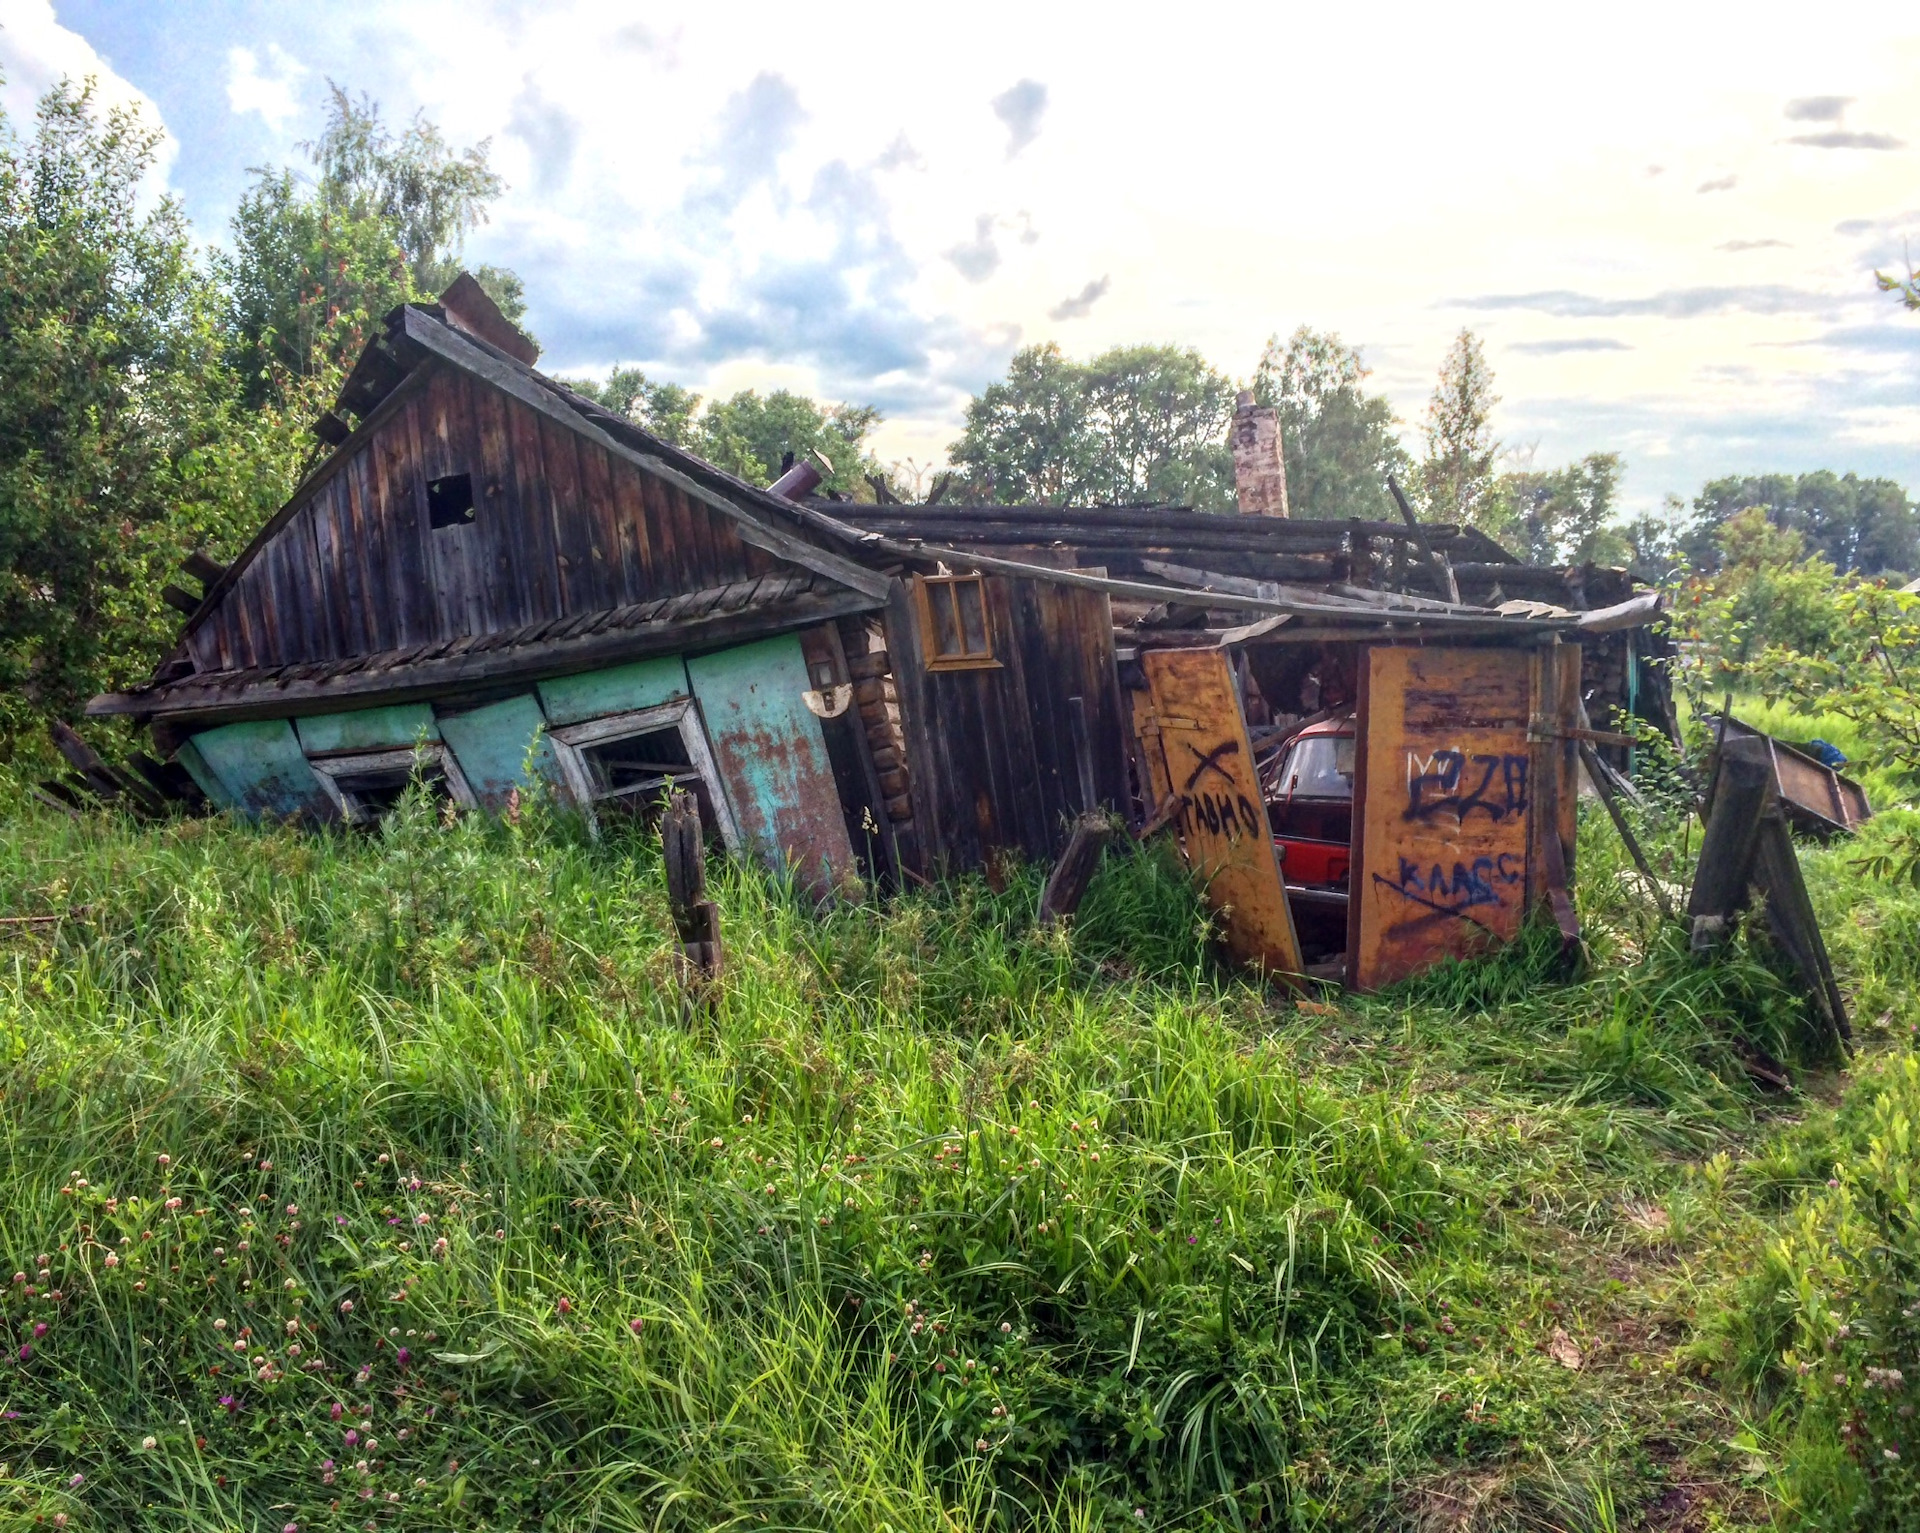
x,y
571,741
407,758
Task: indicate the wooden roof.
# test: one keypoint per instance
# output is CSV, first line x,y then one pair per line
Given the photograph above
x,y
580,520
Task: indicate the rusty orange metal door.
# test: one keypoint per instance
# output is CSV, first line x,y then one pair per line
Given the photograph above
x,y
1445,798
1195,738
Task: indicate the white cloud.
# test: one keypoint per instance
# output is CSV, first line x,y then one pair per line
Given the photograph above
x,y
272,93
37,52
737,196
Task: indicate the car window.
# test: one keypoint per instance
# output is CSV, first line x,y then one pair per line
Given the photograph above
x,y
1320,766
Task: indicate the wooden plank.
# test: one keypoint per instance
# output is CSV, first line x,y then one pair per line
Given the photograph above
x,y
752,526
502,749
219,701
261,771
572,527
324,473
1200,733
502,553
1441,867
900,623
773,759
334,567
535,554
599,514
367,541
617,689
634,543
403,505
367,729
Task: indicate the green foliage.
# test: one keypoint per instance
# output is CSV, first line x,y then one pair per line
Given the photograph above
x,y
1340,442
1841,1290
1136,424
1214,1260
1457,473
1860,526
1562,516
665,409
921,1214
1654,549
121,447
1765,593
749,435
313,267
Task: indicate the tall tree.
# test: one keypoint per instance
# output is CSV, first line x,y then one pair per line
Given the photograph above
x,y
1561,516
751,435
1457,475
665,409
1136,424
1860,526
120,445
315,262
1340,442
1159,415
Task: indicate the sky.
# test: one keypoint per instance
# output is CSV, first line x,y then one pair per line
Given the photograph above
x,y
1663,219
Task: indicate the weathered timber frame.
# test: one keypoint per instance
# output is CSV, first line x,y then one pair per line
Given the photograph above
x,y
572,740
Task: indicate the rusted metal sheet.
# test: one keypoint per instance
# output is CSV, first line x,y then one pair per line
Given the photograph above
x,y
1816,799
1445,799
773,759
1197,732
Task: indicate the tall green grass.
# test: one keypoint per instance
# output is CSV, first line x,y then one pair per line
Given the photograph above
x,y
925,1219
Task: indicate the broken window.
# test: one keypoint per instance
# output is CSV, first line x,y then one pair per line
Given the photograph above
x,y
450,501
366,788
954,626
627,764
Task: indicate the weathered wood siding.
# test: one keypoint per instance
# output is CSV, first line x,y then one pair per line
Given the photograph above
x,y
1464,777
992,752
559,527
1194,735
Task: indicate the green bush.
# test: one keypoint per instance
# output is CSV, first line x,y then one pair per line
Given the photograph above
x,y
1840,1293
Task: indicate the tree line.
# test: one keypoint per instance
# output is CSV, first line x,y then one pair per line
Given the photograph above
x,y
156,395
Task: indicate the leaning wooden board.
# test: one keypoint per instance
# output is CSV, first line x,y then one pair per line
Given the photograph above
x,y
1461,785
1196,739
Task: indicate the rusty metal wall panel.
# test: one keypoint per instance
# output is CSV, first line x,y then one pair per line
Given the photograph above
x,y
1444,809
1197,730
773,759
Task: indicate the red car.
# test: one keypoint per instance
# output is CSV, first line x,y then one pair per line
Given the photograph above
x,y
1308,786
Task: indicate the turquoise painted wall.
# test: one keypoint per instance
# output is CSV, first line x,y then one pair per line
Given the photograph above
x,y
262,769
773,758
370,729
209,782
621,689
492,744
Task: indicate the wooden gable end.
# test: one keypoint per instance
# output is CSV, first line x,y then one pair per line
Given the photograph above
x,y
559,527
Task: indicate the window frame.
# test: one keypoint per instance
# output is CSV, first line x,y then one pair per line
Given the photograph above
x,y
932,656
572,741
329,769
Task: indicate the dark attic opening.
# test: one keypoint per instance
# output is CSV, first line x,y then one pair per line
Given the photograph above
x,y
450,501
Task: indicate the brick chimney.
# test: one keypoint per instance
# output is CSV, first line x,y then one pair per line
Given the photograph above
x,y
1259,467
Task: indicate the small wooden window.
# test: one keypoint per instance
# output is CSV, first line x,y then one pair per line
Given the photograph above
x,y
955,629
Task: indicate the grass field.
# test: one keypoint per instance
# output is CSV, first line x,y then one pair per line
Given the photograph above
x,y
388,1182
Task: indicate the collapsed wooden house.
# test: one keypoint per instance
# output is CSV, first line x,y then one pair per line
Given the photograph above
x,y
492,584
